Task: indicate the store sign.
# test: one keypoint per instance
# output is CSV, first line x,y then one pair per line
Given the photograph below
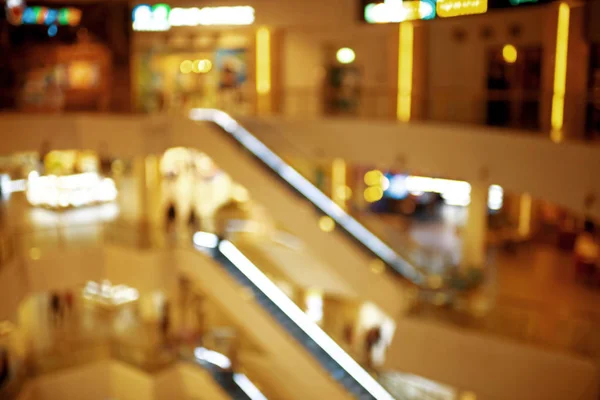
x,y
454,8
14,11
397,11
38,15
161,17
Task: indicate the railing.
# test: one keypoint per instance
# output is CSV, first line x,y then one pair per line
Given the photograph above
x,y
523,109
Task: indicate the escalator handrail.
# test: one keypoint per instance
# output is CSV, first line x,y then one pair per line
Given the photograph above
x,y
293,312
310,191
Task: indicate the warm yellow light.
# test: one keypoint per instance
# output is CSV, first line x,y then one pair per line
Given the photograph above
x,y
201,66
525,215
186,66
373,178
240,194
338,181
35,253
468,396
263,61
509,53
560,72
345,55
373,194
377,266
453,8
344,192
326,224
405,71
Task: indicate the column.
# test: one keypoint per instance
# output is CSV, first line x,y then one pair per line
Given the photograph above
x,y
153,188
524,227
565,64
407,66
475,231
267,70
132,196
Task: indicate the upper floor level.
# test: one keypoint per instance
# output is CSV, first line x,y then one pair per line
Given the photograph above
x,y
527,67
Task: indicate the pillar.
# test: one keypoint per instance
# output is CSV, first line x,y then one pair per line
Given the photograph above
x,y
153,189
267,70
339,188
524,227
408,66
565,72
132,197
475,231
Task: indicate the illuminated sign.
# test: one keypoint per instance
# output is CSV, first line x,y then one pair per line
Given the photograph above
x,y
46,16
454,8
161,17
14,11
397,11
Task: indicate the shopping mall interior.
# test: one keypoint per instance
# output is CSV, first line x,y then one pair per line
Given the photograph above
x,y
294,200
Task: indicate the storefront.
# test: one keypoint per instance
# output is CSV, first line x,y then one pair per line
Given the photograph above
x,y
64,57
193,57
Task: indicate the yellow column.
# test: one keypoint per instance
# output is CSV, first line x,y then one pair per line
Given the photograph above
x,y
405,71
474,234
524,228
263,71
560,73
338,182
153,187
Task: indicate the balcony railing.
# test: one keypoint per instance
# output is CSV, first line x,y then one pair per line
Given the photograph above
x,y
524,110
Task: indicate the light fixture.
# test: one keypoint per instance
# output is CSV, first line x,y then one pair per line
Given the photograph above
x,y
373,194
326,224
186,66
345,55
201,66
509,53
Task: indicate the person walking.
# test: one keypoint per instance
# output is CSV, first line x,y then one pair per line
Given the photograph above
x,y
165,322
55,308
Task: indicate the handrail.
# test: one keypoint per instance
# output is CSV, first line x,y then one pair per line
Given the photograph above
x,y
211,243
311,192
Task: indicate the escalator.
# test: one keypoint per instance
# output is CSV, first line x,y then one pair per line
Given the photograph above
x,y
294,201
338,364
306,189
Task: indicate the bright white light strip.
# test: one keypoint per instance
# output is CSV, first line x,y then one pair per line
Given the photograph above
x,y
248,387
308,190
212,357
290,309
71,190
205,239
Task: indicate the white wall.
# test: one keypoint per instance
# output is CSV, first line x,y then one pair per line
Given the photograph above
x,y
492,368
